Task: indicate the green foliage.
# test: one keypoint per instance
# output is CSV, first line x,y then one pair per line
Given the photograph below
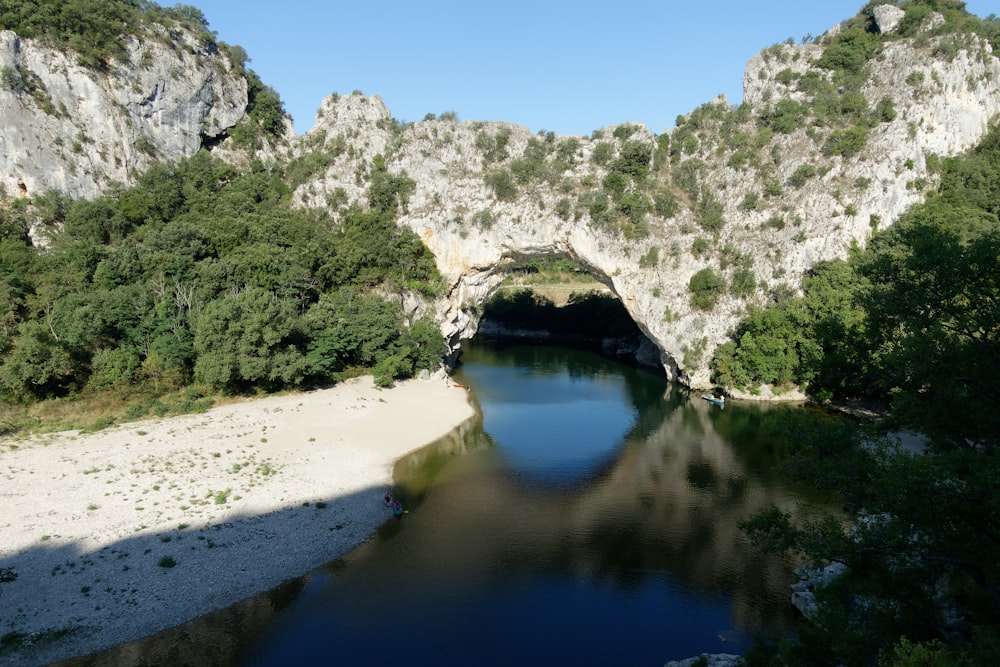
x,y
265,117
588,315
502,184
622,204
801,174
785,117
494,146
205,273
544,160
920,565
301,169
706,287
800,339
700,246
911,320
850,50
665,203
651,259
96,29
885,110
846,142
602,154
710,213
744,282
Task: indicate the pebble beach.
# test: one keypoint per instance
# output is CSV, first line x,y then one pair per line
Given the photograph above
x,y
122,533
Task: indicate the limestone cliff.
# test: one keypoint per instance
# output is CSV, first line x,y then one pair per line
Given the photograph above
x,y
76,129
755,200
742,198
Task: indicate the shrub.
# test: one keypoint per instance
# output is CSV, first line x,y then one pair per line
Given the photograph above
x,y
602,154
846,142
700,246
651,259
801,173
665,204
850,51
493,146
392,368
706,287
502,184
885,110
785,117
711,213
744,283
563,208
749,202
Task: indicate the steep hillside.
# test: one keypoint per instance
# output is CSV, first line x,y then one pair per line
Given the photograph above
x,y
693,228
835,138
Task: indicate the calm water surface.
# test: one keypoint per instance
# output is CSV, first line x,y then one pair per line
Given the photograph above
x,y
588,518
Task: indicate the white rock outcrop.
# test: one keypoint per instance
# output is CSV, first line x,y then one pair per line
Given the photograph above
x,y
943,109
75,129
887,18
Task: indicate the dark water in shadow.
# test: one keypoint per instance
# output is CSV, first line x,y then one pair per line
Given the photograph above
x,y
588,518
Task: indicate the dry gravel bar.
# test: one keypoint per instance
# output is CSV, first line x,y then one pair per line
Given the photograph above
x,y
122,533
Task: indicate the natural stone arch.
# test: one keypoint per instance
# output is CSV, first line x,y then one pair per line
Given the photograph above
x,y
777,228
480,287
475,279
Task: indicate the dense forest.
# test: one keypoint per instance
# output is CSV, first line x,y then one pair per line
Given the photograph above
x,y
204,276
911,321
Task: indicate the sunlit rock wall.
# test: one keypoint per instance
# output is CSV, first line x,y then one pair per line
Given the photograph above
x,y
943,106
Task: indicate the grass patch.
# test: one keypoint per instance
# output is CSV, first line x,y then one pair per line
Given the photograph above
x,y
166,562
93,410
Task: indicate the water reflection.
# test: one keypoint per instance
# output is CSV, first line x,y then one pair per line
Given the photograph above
x,y
628,552
589,516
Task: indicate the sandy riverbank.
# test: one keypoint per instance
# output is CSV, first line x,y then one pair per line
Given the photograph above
x,y
118,534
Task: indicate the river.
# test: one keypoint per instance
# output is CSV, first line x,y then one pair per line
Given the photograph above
x,y
588,516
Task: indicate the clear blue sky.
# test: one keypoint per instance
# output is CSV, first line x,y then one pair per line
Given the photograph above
x,y
569,67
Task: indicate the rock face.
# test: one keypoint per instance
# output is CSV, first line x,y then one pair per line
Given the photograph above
x,y
75,129
729,192
774,224
887,18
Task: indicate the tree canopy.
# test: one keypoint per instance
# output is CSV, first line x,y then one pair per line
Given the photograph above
x,y
912,321
205,273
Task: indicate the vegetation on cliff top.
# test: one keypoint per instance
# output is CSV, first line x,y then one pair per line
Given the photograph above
x,y
96,29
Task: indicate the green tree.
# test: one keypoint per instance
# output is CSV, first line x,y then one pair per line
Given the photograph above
x,y
933,306
706,287
38,366
246,341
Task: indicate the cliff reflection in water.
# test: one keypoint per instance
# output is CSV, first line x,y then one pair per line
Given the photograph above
x,y
667,497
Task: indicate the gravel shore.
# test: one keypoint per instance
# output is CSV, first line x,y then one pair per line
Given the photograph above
x,y
119,534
